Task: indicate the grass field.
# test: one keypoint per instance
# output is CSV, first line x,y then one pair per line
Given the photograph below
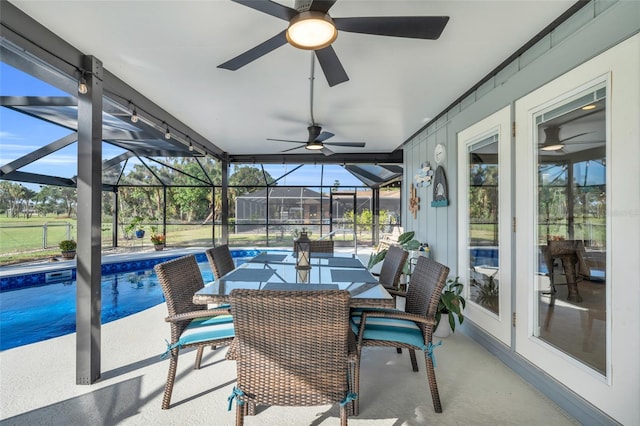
x,y
23,240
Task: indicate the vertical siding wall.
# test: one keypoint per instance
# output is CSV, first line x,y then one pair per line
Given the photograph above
x,y
592,30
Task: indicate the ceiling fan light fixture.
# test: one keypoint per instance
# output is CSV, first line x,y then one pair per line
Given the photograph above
x,y
555,147
311,31
314,146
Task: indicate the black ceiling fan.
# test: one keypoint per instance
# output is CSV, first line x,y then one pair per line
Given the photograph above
x,y
316,12
552,141
316,141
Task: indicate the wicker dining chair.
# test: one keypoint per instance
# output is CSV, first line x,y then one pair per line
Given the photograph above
x,y
291,349
320,246
220,260
191,325
392,267
412,328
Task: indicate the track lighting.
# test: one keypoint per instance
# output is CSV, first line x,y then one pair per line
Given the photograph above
x,y
134,112
82,85
167,134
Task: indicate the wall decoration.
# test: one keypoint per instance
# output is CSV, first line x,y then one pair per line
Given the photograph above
x,y
440,191
424,176
414,202
439,154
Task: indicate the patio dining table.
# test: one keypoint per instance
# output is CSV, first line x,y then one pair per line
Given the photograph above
x,y
277,271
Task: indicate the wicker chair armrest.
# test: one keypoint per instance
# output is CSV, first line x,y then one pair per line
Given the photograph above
x,y
396,315
197,314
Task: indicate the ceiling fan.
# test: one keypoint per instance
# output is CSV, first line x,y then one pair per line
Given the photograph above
x,y
316,141
552,141
311,28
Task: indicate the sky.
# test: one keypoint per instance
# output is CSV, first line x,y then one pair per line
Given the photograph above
x,y
21,134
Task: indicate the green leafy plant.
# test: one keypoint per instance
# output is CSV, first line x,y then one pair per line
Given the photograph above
x,y
67,245
489,293
405,240
156,237
451,303
134,225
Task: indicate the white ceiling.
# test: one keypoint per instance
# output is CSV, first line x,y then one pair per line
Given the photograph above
x,y
169,51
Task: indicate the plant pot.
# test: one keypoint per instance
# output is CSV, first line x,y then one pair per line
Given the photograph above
x,y
444,328
139,233
159,247
69,254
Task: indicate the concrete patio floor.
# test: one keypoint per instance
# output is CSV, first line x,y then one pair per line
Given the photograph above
x,y
37,386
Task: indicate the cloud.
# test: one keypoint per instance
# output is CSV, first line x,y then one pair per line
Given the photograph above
x,y
17,147
8,135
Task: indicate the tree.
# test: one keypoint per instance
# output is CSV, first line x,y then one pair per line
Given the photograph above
x,y
10,196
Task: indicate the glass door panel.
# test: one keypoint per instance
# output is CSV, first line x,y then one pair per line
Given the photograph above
x,y
483,242
484,221
571,295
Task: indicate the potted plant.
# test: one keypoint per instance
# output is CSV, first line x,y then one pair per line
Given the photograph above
x,y
451,304
68,248
136,226
158,240
405,240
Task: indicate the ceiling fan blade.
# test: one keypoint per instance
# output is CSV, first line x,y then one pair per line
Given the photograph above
x,y
352,144
291,149
424,27
574,136
270,8
324,136
331,66
326,151
251,55
285,140
321,5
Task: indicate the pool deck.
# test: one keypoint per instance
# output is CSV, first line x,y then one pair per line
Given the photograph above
x,y
107,257
37,386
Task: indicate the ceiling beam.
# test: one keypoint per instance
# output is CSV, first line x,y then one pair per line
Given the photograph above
x,y
38,154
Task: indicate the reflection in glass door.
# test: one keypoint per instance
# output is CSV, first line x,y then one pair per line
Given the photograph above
x,y
483,242
571,294
484,221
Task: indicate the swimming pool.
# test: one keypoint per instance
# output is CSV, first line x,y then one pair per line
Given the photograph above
x,y
39,312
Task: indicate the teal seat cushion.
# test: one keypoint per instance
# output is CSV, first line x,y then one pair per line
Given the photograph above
x,y
203,329
391,330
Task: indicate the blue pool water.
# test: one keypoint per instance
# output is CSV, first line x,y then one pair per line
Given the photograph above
x,y
41,312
